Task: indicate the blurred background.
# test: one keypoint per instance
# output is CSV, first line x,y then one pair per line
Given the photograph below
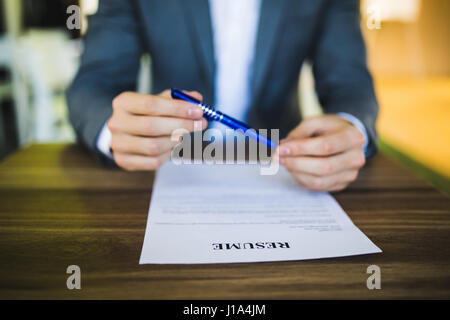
x,y
408,45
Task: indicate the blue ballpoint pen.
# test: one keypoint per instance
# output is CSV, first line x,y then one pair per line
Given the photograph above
x,y
213,115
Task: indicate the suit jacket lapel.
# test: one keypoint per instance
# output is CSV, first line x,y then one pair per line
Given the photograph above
x,y
199,25
269,26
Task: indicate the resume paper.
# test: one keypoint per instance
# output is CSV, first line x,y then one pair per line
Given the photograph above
x,y
231,213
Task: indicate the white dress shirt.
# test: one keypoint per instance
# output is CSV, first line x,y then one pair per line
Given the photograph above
x,y
235,26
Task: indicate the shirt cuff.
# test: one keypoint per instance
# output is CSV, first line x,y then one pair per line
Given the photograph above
x,y
358,124
104,142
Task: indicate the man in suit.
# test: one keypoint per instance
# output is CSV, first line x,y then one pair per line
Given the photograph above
x,y
245,57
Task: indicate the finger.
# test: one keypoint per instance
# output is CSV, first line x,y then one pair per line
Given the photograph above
x,y
327,183
323,166
125,143
166,94
133,162
316,125
324,145
154,126
144,104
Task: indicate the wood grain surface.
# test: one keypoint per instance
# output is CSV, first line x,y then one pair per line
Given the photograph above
x,y
59,207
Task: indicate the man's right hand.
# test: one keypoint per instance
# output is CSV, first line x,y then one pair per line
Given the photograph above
x,y
141,127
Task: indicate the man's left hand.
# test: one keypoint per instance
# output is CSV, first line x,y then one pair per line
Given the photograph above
x,y
323,153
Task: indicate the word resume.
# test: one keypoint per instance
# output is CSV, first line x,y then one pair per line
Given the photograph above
x,y
231,213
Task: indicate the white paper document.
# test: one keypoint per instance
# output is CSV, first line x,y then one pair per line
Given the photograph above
x,y
231,213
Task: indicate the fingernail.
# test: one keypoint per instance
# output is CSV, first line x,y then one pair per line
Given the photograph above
x,y
195,112
284,151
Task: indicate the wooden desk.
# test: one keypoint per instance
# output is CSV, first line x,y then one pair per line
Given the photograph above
x,y
58,207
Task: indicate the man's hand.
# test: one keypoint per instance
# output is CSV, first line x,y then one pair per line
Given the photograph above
x,y
141,126
323,153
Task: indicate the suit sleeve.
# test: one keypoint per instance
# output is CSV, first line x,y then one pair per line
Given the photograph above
x,y
343,81
109,66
